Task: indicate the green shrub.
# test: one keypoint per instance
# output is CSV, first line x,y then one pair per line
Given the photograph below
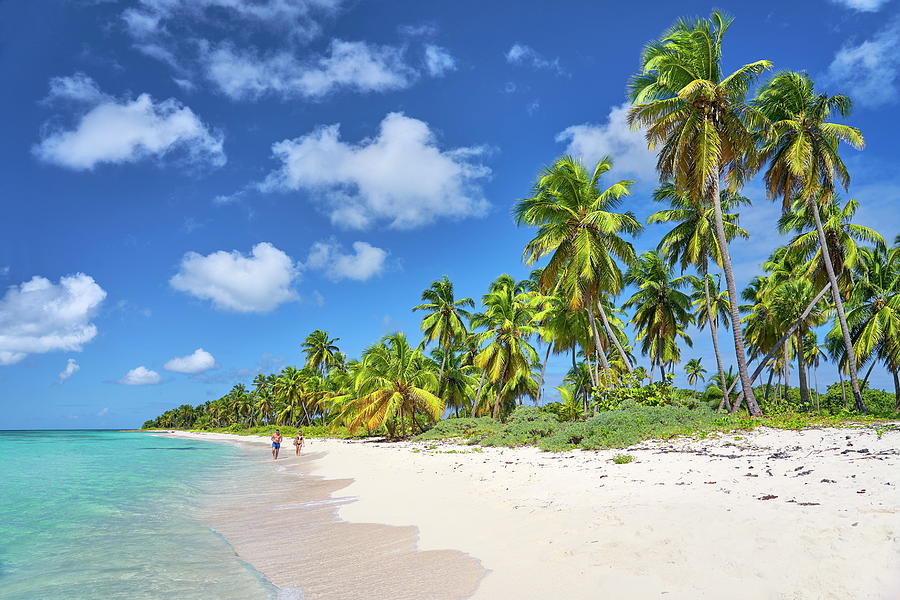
x,y
461,427
622,459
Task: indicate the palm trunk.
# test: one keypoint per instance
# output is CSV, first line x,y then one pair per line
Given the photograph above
x,y
841,379
839,306
478,393
597,344
769,383
540,393
714,332
869,372
441,372
816,381
612,336
801,370
785,336
896,390
787,370
740,354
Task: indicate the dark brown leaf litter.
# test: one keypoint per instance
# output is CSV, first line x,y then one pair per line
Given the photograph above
x,y
767,497
804,503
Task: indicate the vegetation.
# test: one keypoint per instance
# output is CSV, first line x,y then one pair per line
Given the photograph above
x,y
478,363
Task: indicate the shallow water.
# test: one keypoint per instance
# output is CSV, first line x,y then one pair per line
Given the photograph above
x,y
103,514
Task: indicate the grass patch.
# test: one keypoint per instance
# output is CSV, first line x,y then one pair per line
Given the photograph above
x,y
622,459
625,426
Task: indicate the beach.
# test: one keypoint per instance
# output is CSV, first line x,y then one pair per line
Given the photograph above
x,y
763,514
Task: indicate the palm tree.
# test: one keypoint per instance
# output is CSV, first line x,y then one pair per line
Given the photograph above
x,y
578,228
692,243
697,118
443,322
874,316
320,350
788,302
695,371
801,148
289,388
395,382
509,321
662,310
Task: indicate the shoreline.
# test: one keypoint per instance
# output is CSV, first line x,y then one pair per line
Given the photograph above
x,y
762,514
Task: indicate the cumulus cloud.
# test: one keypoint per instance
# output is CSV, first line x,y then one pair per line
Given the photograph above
x,y
521,54
140,376
255,283
862,5
363,263
157,17
357,66
39,316
401,176
438,61
72,367
613,138
197,362
868,69
112,130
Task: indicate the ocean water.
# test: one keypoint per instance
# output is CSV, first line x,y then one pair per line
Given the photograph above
x,y
104,514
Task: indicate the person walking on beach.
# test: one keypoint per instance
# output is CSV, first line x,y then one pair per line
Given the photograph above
x,y
276,443
298,441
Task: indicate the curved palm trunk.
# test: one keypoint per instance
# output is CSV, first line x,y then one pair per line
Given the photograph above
x,y
839,306
769,383
841,379
740,353
597,344
612,336
714,332
869,372
896,390
478,394
801,370
784,337
540,393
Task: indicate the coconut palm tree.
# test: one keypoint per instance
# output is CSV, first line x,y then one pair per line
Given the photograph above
x,y
320,351
395,381
697,118
874,315
289,389
801,150
695,371
692,242
443,322
662,310
509,320
579,230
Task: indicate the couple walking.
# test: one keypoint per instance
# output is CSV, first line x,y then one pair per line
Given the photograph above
x,y
277,439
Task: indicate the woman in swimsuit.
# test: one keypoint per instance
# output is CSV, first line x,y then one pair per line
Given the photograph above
x,y
276,443
298,441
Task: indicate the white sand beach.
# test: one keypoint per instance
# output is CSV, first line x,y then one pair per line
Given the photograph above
x,y
768,514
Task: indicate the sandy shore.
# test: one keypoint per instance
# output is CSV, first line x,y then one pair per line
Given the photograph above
x,y
766,514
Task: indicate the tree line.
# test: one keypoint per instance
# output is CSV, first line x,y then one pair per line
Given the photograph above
x,y
711,136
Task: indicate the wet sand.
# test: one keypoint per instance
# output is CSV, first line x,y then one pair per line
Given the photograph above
x,y
768,514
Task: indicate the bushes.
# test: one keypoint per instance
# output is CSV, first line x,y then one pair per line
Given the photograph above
x,y
832,402
462,427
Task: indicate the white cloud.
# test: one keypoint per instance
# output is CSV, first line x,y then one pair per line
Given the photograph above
x,y
521,54
358,66
39,316
157,18
256,283
140,376
614,138
365,262
401,176
868,69
438,61
111,130
862,5
197,362
72,367
103,411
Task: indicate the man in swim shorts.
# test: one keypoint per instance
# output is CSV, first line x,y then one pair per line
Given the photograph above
x,y
276,443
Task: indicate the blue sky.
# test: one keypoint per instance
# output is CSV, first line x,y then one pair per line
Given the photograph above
x,y
190,187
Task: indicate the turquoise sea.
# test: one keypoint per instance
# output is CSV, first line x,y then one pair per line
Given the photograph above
x,y
106,514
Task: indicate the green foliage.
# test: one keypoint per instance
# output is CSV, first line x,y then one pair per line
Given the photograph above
x,y
622,459
830,403
628,390
465,428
